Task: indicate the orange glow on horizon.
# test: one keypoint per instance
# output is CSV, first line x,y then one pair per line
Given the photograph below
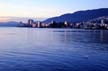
x,y
4,19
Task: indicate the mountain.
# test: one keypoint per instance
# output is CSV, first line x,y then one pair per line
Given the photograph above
x,y
80,16
9,24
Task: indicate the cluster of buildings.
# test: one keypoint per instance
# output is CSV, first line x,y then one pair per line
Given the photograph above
x,y
38,24
33,24
101,23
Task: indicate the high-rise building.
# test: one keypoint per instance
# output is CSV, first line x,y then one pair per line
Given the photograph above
x,y
30,21
102,21
39,24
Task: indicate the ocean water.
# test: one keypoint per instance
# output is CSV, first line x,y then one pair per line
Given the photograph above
x,y
31,49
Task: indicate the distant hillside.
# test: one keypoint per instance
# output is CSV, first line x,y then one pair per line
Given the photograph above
x,y
99,20
80,16
9,24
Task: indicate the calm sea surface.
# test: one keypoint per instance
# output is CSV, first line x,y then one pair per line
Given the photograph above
x,y
31,49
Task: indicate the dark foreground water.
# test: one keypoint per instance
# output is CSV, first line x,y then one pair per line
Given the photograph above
x,y
30,49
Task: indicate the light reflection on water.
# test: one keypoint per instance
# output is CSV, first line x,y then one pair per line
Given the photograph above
x,y
30,49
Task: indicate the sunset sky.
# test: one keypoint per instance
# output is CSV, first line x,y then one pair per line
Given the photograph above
x,y
45,8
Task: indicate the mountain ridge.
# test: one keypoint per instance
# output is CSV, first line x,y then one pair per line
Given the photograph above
x,y
9,24
79,16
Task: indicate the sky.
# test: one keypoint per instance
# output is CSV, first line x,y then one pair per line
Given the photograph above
x,y
45,8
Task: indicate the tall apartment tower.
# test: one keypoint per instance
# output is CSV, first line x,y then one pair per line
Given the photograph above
x,y
30,21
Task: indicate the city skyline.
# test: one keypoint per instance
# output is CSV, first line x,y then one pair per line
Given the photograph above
x,y
45,8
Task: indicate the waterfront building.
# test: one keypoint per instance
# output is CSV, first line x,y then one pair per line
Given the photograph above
x,y
39,24
65,24
34,25
30,21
